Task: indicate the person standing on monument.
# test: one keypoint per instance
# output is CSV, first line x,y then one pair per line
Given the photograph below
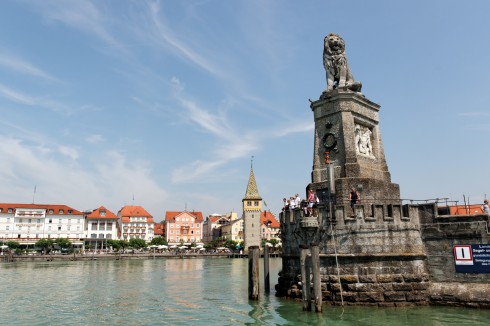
x,y
354,198
485,208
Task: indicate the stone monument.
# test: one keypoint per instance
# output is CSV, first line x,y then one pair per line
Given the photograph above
x,y
368,249
347,129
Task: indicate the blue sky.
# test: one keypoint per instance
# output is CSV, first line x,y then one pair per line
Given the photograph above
x,y
167,101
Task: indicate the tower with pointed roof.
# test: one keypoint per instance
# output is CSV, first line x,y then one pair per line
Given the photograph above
x,y
252,207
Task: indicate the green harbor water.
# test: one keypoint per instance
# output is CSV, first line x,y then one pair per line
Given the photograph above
x,y
195,291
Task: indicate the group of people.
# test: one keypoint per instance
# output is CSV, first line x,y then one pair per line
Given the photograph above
x,y
307,205
291,203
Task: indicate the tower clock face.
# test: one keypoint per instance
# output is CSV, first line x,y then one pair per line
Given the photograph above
x,y
329,141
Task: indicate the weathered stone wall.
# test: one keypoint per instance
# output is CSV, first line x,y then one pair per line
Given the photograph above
x,y
440,234
397,256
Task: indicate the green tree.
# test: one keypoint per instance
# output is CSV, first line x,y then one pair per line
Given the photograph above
x,y
137,243
13,244
230,244
45,244
64,244
158,241
274,242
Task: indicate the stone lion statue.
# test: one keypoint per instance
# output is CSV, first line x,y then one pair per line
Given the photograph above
x,y
336,67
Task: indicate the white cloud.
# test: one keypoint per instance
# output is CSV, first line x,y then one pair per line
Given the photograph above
x,y
44,102
70,152
83,15
16,96
164,34
109,182
19,65
95,139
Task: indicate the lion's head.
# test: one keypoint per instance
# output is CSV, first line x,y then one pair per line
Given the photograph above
x,y
334,44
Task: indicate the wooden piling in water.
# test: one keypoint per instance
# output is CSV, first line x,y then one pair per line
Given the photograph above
x,y
253,272
317,285
305,277
267,284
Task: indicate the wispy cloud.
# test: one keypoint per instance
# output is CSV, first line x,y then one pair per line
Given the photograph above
x,y
165,34
82,15
230,143
16,96
294,128
95,139
111,179
21,66
44,102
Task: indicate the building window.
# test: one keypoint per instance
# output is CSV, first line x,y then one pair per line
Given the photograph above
x,y
29,221
108,236
7,227
59,228
38,220
70,211
20,220
93,235
61,211
249,203
109,226
102,212
50,221
101,236
50,212
256,203
10,210
94,226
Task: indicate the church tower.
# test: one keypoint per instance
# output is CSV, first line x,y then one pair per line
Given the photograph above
x,y
252,207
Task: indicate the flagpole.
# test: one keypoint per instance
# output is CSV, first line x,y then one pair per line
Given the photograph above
x,y
34,194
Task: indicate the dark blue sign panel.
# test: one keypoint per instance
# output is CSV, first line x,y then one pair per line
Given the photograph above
x,y
474,258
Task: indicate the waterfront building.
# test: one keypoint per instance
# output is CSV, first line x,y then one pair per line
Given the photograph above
x,y
217,226
159,230
135,223
183,226
101,224
233,229
28,223
270,227
252,207
211,227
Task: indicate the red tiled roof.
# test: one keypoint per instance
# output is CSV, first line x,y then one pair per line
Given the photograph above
x,y
470,209
214,219
96,213
169,215
56,208
266,217
134,211
159,229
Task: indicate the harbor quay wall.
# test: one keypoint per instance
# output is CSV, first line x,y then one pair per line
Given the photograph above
x,y
387,255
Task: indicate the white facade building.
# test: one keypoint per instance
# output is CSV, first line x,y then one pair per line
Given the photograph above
x,y
28,223
136,223
101,224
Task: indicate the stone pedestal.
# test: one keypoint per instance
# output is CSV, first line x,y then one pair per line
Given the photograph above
x,y
347,126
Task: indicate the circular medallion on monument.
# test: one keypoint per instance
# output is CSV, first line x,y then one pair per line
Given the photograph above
x,y
329,141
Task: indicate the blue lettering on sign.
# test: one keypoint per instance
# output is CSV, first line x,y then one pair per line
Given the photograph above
x,y
477,262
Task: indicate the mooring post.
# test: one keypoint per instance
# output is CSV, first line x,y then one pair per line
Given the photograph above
x,y
305,277
317,285
253,272
266,269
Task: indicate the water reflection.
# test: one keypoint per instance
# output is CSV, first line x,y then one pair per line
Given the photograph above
x,y
178,292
